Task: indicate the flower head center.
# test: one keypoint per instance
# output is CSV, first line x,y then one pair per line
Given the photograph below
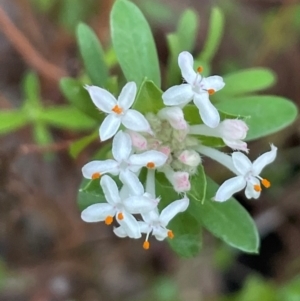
x,y
200,69
109,219
211,91
120,216
96,175
118,110
257,188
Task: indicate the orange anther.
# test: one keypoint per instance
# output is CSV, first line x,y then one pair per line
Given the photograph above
x,y
257,188
96,175
150,165
266,183
117,109
120,216
109,219
146,245
200,69
170,234
211,91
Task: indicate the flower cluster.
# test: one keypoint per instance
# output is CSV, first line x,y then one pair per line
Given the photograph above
x,y
165,142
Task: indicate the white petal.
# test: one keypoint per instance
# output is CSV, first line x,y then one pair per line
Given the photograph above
x,y
139,204
229,187
213,82
186,65
134,120
173,209
130,225
144,227
110,190
151,216
121,146
160,233
178,95
133,183
237,145
250,192
103,100
97,213
241,162
109,126
120,232
152,156
127,96
101,167
264,160
209,114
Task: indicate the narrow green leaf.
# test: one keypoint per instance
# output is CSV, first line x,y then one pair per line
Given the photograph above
x,y
246,81
215,33
187,30
31,88
75,93
134,43
148,98
92,54
12,120
267,114
78,146
67,117
41,134
228,221
90,192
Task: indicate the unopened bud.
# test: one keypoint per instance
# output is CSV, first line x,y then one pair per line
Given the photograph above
x,y
175,117
138,141
181,181
233,129
190,157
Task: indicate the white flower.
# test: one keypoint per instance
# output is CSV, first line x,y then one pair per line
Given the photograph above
x,y
232,131
196,88
156,223
124,163
120,208
247,176
118,110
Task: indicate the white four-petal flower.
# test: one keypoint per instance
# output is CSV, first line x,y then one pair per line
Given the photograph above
x,y
196,88
124,163
118,110
120,207
247,176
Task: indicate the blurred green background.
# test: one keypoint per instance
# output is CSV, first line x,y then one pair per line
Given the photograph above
x,y
46,251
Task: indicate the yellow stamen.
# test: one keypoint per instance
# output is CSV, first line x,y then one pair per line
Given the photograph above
x,y
120,216
211,91
109,219
96,175
118,110
266,183
150,165
170,234
146,245
200,69
257,188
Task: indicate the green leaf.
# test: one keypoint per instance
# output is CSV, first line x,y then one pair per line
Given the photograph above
x,y
67,117
12,120
134,43
78,146
92,54
215,33
246,81
74,91
31,88
148,98
90,192
187,30
41,134
228,221
183,39
267,114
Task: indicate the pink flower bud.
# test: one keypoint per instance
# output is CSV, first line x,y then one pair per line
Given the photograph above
x,y
190,157
175,117
181,181
233,129
138,141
